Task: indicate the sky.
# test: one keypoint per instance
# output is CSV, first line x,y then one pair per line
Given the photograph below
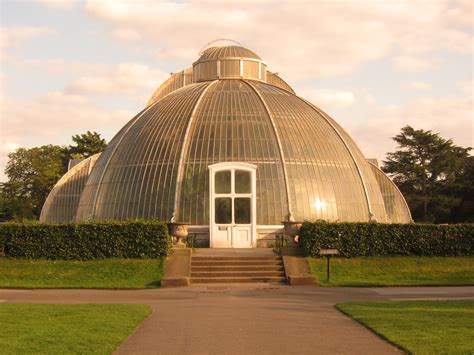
x,y
375,66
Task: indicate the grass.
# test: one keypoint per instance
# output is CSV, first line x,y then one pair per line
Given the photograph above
x,y
395,271
105,273
419,327
67,329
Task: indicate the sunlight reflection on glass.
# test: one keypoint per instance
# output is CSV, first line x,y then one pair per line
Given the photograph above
x,y
319,205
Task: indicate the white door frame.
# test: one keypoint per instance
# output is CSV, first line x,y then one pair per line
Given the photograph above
x,y
232,166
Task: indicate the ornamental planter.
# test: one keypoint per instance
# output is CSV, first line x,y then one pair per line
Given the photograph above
x,y
179,230
292,229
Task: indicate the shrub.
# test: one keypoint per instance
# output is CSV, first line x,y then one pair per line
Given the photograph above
x,y
85,241
376,239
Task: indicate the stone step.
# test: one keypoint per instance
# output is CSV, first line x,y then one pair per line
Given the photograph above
x,y
236,258
238,268
220,274
201,280
236,263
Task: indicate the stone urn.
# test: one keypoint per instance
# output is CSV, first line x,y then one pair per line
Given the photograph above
x,y
292,229
179,230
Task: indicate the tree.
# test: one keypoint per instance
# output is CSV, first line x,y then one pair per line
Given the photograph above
x,y
428,169
31,174
464,190
10,207
86,145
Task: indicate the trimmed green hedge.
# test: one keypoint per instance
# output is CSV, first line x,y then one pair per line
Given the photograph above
x,y
376,239
85,241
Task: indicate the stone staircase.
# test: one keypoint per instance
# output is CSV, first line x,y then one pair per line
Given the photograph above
x,y
236,268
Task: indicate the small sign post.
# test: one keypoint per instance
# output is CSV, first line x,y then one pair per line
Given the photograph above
x,y
328,253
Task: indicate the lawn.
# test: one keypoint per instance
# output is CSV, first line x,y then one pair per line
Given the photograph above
x,y
105,273
66,329
395,271
419,327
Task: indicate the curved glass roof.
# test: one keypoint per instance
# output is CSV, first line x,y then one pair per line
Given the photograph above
x,y
156,167
396,206
185,77
63,200
226,52
174,82
306,163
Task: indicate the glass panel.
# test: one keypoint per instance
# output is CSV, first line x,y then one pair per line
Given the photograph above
x,y
222,182
223,210
242,182
242,210
234,115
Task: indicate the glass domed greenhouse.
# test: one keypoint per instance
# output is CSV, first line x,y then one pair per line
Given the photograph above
x,y
228,146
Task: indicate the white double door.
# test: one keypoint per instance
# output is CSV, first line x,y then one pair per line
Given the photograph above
x,y
232,205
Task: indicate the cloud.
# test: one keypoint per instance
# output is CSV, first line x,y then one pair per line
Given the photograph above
x,y
125,78
419,85
14,36
58,4
466,87
11,146
127,34
2,86
460,14
65,68
57,115
53,118
134,80
303,39
369,99
328,98
451,117
5,149
412,64
54,114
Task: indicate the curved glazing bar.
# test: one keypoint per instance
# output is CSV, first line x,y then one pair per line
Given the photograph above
x,y
366,193
230,62
289,216
227,69
157,165
184,149
230,68
395,204
139,178
173,83
370,183
85,210
63,200
322,175
214,53
275,80
231,125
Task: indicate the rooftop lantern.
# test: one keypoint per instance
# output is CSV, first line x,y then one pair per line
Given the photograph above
x,y
228,61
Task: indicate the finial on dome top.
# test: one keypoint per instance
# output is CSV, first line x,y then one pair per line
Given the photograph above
x,y
220,42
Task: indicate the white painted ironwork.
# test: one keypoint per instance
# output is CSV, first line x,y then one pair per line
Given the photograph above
x,y
184,148
233,229
280,148
366,193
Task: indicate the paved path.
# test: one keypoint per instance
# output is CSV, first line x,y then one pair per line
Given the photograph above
x,y
245,319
